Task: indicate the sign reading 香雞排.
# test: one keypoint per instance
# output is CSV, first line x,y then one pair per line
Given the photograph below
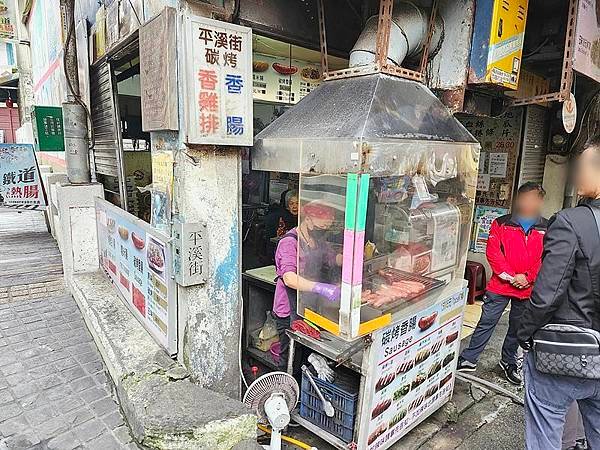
x,y
218,82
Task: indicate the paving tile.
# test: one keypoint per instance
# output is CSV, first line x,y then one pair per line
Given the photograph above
x,y
93,394
104,406
64,441
89,430
82,384
9,411
113,419
25,440
6,396
15,425
41,415
104,442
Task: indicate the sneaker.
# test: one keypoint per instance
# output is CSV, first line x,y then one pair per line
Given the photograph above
x,y
465,366
511,373
580,444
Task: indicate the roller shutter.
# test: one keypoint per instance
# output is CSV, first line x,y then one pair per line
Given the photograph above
x,y
535,141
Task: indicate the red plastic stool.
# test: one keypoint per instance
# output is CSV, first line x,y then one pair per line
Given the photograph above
x,y
475,275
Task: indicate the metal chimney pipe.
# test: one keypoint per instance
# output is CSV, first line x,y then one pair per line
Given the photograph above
x,y
74,116
408,34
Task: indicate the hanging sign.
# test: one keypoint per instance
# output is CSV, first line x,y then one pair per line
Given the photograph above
x,y
569,113
20,183
586,54
218,82
281,80
8,30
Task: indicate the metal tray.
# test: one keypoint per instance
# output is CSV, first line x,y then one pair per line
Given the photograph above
x,y
389,275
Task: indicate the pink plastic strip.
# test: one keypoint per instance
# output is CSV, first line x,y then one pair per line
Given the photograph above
x,y
359,253
347,256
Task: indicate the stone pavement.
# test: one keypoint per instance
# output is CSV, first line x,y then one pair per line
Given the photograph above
x,y
55,392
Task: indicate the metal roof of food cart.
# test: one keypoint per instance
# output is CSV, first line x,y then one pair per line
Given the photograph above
x,y
372,107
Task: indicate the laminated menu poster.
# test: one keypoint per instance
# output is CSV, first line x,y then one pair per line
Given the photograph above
x,y
415,364
137,260
20,182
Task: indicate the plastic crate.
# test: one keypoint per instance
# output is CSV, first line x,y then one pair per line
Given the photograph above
x,y
343,397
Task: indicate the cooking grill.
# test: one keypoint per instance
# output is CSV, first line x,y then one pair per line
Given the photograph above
x,y
390,275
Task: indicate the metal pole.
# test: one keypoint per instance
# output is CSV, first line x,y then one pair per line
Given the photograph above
x,y
74,116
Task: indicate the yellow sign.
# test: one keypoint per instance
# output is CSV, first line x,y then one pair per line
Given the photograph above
x,y
497,46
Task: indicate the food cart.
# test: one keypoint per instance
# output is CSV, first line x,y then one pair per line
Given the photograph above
x,y
396,174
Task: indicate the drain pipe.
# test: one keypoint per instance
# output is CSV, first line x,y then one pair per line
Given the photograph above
x,y
408,34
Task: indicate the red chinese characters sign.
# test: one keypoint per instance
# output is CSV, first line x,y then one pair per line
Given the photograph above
x,y
20,184
218,83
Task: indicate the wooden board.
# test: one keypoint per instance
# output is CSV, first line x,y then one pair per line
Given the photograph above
x,y
158,74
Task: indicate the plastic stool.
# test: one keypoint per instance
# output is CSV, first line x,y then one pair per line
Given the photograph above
x,y
475,275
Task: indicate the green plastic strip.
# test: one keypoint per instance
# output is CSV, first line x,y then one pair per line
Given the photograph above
x,y
362,202
351,194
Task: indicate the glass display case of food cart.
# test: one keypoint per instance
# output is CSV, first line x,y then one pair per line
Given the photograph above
x,y
387,185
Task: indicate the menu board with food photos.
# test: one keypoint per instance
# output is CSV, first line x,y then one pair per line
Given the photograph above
x,y
281,80
137,258
414,363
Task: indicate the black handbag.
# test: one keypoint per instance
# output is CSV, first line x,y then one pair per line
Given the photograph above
x,y
567,349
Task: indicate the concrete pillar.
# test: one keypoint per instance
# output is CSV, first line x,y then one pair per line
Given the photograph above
x,y
78,236
207,188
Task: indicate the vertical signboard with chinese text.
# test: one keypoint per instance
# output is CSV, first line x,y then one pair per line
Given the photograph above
x,y
586,55
138,260
500,139
414,366
20,182
218,82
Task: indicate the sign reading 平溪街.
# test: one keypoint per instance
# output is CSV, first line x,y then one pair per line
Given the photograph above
x,y
20,183
218,82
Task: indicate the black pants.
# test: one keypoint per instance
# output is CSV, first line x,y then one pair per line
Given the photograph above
x,y
491,312
283,324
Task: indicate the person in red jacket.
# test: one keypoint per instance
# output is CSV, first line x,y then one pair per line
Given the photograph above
x,y
514,251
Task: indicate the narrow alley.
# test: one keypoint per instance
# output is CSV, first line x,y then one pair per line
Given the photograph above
x,y
55,392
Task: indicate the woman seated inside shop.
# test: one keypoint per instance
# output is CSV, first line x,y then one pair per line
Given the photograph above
x,y
306,249
281,219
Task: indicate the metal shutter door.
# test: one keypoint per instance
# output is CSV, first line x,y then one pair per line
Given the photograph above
x,y
535,141
106,151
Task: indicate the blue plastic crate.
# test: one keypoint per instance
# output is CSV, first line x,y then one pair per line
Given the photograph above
x,y
343,396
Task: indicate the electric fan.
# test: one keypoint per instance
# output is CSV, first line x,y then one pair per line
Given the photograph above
x,y
273,396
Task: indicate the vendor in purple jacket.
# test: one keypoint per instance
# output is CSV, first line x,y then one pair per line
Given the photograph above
x,y
305,246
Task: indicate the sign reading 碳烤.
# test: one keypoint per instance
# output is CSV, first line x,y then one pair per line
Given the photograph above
x,y
218,82
20,183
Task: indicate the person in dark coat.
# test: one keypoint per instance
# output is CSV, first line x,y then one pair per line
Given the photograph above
x,y
567,291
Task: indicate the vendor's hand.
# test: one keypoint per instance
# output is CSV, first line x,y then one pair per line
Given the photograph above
x,y
324,372
520,281
330,291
